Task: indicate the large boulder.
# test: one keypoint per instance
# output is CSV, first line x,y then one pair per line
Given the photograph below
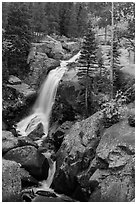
x,y
97,164
51,47
40,66
14,80
23,89
27,179
37,132
114,172
17,99
11,181
60,132
8,141
4,126
29,158
71,46
75,155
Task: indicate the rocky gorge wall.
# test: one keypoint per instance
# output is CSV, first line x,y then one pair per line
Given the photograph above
x,y
94,163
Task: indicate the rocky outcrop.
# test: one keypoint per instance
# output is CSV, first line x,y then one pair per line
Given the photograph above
x,y
97,165
23,89
57,134
115,173
76,154
26,179
11,181
8,141
14,80
17,99
37,133
40,66
51,47
29,158
46,55
71,46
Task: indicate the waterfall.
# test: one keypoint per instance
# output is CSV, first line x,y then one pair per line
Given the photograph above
x,y
42,109
41,113
43,106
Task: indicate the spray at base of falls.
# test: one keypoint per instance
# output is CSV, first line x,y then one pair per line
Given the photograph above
x,y
43,106
42,110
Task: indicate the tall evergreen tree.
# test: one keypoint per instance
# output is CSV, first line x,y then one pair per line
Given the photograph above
x,y
19,34
38,17
73,26
52,17
89,64
82,16
64,17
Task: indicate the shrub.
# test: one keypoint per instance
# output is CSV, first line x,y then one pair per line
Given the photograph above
x,y
114,109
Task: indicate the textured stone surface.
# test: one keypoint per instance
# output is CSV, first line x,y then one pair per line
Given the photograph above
x,y
51,47
14,80
76,153
37,133
31,160
71,46
60,132
40,67
8,141
26,141
27,179
11,181
115,165
96,164
23,89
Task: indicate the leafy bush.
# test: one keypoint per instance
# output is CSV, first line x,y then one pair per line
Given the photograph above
x,y
114,109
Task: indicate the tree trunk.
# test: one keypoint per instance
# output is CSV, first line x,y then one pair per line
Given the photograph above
x,y
86,99
105,34
86,92
112,38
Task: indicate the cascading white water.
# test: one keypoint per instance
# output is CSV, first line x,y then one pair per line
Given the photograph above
x,y
43,106
42,110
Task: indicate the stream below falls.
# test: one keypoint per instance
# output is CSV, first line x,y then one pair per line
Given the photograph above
x,y
41,112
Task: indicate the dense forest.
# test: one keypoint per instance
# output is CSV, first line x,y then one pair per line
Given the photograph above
x,y
68,70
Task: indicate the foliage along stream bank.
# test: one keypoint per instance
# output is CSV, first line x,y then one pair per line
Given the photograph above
x,y
91,134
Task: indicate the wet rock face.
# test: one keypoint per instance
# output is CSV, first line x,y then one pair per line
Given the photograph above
x,y
40,66
37,133
60,132
23,89
31,160
116,151
11,181
26,179
14,80
71,46
17,100
51,47
76,154
97,165
8,141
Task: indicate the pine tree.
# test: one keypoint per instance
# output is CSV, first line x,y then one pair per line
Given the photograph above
x,y
116,64
73,26
38,18
82,16
52,17
19,34
64,17
89,64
